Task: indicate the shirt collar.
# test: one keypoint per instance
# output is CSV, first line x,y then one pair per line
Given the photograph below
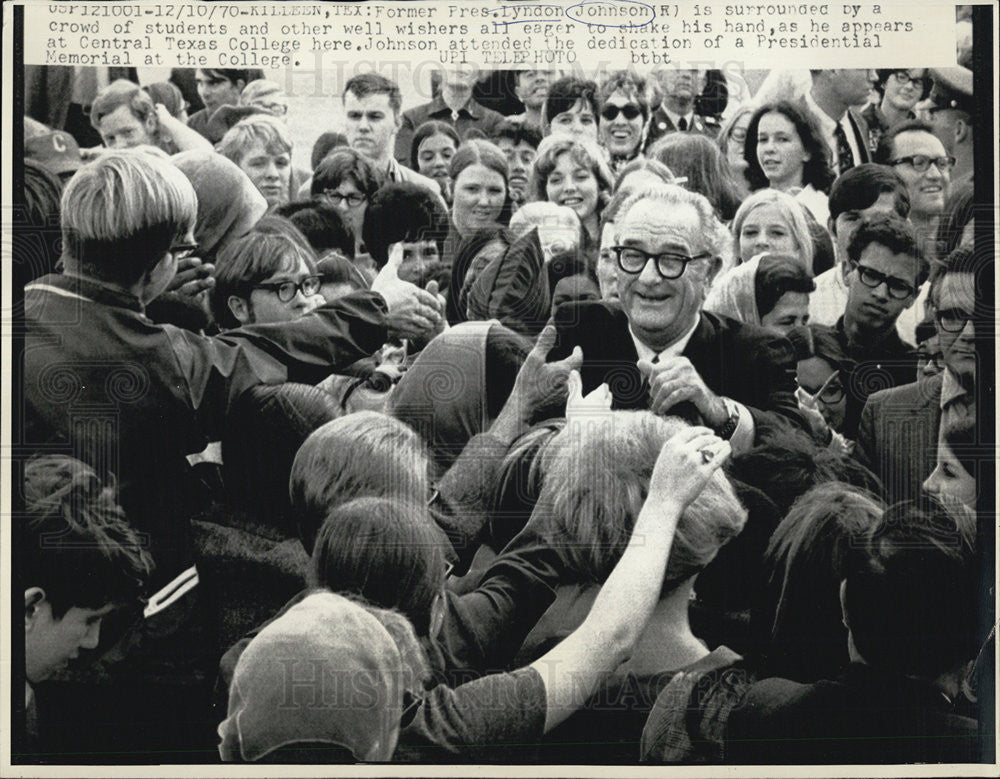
x,y
438,106
951,389
675,349
675,118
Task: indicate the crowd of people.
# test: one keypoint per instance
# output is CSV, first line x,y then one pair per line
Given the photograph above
x,y
637,426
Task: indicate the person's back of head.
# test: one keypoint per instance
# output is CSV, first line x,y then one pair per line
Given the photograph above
x,y
122,213
799,617
861,186
39,252
77,551
403,212
776,275
596,481
387,551
909,592
123,93
362,454
321,223
699,160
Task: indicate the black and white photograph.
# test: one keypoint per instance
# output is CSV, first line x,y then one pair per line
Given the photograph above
x,y
499,388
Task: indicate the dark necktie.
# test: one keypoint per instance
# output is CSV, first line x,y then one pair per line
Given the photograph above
x,y
682,124
845,159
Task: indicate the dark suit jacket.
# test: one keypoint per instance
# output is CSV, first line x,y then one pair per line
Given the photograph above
x,y
742,362
660,124
861,134
472,115
897,436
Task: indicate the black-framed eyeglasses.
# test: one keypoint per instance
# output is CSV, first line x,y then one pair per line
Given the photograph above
x,y
873,279
354,199
904,78
287,290
630,111
182,251
670,265
921,162
953,320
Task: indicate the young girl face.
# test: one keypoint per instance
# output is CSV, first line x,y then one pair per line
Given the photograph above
x,y
950,479
434,157
766,229
573,185
780,152
479,197
578,122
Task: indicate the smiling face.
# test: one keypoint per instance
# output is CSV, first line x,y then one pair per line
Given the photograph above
x,y
371,125
578,122
780,152
519,161
928,190
661,310
121,129
479,198
51,643
903,93
766,229
874,309
271,173
434,157
573,185
950,480
621,136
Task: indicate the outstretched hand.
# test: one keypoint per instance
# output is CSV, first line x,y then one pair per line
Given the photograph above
x,y
595,406
685,464
414,313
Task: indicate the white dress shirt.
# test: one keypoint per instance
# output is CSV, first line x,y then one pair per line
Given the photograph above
x,y
827,126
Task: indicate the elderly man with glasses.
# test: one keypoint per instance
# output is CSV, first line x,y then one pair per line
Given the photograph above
x,y
655,347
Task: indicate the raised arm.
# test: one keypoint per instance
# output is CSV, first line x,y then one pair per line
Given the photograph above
x,y
572,670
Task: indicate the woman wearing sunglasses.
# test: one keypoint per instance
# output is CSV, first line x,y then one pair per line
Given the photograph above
x,y
624,112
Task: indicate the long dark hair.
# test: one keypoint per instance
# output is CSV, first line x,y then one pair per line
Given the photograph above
x,y
816,170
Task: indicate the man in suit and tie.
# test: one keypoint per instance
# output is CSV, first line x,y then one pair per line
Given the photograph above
x,y
900,427
832,101
680,89
656,349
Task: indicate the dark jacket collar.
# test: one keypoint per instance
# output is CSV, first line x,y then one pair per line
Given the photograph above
x,y
438,107
87,288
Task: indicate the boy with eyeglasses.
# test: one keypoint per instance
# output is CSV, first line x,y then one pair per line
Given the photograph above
x,y
885,271
900,427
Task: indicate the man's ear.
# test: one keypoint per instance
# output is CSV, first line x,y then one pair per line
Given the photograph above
x,y
715,265
34,597
962,130
240,308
